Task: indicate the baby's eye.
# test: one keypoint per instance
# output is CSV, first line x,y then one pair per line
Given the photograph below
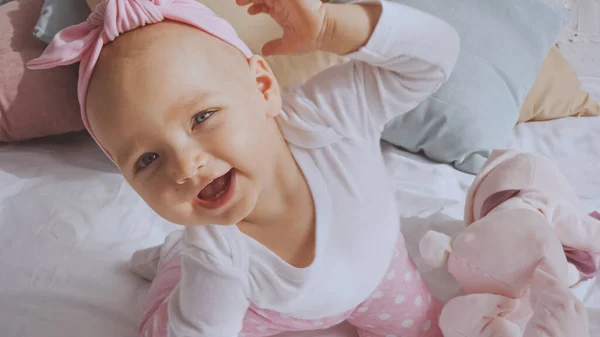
x,y
202,116
145,160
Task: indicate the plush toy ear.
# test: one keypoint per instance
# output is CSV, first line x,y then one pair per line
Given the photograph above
x,y
435,248
496,199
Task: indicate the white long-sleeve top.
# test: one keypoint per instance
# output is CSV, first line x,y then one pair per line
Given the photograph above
x,y
333,125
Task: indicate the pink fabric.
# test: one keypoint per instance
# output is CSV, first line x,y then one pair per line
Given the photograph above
x,y
33,104
539,183
84,42
508,169
401,306
485,315
493,260
520,215
547,308
556,310
496,200
587,263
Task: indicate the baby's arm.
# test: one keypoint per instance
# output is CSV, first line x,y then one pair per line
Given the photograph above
x,y
349,27
210,299
401,58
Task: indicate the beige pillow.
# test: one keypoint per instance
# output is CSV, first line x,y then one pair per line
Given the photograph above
x,y
256,30
557,93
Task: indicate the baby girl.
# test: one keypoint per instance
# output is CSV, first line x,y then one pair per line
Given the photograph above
x,y
290,221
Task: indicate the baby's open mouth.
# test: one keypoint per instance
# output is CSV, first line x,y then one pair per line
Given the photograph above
x,y
217,188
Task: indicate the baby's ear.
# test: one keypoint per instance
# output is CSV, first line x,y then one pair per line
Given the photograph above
x,y
266,84
435,248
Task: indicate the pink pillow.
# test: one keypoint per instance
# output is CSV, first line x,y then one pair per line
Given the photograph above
x,y
36,103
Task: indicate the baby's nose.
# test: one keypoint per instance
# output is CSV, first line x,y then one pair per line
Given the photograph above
x,y
186,167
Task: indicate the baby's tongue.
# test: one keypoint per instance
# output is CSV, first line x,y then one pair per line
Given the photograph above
x,y
212,190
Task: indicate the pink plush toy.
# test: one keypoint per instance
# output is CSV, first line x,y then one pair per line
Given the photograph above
x,y
527,236
538,183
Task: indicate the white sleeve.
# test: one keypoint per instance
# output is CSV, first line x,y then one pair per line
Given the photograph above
x,y
210,300
408,57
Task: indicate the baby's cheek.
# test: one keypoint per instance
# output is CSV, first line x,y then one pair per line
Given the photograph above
x,y
238,143
158,199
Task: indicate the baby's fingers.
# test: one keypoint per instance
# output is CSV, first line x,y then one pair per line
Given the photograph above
x,y
275,47
258,6
257,9
247,2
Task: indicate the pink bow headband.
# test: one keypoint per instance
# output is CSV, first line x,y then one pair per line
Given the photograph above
x,y
84,42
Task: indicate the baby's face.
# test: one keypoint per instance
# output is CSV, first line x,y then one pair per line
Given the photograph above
x,y
188,120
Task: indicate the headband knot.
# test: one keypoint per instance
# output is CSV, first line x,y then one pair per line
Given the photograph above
x,y
118,17
83,42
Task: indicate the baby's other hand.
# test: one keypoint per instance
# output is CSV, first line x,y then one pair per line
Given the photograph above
x,y
304,24
557,312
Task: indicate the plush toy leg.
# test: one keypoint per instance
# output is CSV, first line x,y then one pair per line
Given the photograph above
x,y
556,311
484,315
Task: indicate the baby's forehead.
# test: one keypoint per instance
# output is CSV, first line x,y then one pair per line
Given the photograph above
x,y
150,70
161,53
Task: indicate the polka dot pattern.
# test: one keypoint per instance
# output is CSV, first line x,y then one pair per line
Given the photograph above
x,y
154,322
378,294
384,317
263,323
427,326
401,306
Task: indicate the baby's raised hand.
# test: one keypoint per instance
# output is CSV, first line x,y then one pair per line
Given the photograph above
x,y
304,24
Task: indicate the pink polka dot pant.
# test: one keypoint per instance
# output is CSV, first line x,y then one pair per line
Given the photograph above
x,y
401,306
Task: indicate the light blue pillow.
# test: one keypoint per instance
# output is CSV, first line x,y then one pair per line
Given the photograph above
x,y
503,45
59,14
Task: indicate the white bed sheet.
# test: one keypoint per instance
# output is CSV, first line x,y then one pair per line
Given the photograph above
x,y
68,224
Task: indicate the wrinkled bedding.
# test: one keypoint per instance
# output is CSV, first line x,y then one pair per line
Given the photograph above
x,y
69,223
